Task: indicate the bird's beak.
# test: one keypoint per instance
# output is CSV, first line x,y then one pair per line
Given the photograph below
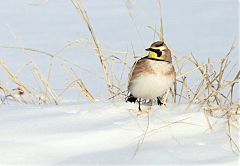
x,y
148,49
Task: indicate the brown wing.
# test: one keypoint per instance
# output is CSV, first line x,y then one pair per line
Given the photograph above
x,y
140,67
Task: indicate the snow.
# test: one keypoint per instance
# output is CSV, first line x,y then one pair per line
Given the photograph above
x,y
109,133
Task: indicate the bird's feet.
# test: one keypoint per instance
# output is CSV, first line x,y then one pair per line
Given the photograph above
x,y
159,102
131,99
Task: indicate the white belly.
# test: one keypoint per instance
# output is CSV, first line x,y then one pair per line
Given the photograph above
x,y
151,86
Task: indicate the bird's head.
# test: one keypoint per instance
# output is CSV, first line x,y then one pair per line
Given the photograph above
x,y
159,51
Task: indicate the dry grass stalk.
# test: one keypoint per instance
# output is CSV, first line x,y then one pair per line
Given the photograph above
x,y
13,77
161,21
53,96
135,25
143,136
55,55
80,84
7,93
28,49
86,20
168,123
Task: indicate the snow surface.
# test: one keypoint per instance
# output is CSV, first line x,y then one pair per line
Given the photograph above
x,y
107,133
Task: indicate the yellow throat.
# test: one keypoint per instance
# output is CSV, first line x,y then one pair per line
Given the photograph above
x,y
154,55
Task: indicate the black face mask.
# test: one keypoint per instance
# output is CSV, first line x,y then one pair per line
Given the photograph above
x,y
158,52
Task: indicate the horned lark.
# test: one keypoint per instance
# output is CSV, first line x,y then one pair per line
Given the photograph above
x,y
152,75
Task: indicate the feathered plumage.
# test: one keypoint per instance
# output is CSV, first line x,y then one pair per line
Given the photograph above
x,y
153,75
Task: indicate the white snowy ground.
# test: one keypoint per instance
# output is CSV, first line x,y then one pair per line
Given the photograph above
x,y
107,133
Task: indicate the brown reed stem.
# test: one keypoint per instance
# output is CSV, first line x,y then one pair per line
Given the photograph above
x,y
78,5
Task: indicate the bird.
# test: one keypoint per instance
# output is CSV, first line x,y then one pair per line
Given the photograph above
x,y
151,76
